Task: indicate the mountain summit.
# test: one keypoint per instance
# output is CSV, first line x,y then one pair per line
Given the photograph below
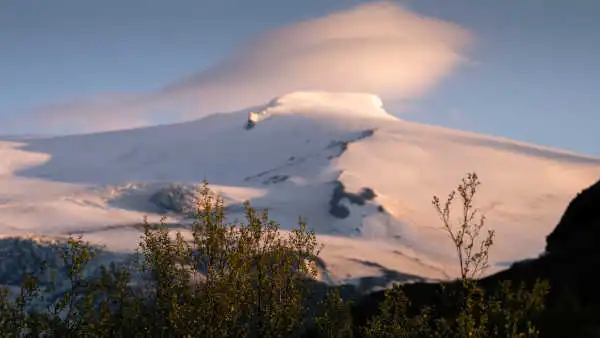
x,y
362,177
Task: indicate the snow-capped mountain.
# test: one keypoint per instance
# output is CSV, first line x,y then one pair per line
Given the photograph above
x,y
363,178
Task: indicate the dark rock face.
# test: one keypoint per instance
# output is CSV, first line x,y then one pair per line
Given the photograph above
x,y
570,264
249,125
342,146
276,179
176,198
22,256
339,192
578,231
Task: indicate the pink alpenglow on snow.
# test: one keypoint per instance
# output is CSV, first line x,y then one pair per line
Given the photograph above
x,y
313,146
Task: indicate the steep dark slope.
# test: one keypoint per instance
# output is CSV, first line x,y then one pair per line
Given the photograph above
x,y
571,264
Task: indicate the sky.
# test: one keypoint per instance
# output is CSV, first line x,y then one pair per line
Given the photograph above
x,y
526,70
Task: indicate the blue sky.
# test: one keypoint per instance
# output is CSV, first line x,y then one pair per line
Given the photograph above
x,y
533,72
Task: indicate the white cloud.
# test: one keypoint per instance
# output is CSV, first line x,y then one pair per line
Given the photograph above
x,y
379,48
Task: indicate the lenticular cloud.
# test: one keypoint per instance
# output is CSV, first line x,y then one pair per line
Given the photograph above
x,y
380,48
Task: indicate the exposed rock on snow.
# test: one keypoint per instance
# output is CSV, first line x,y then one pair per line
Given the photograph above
x,y
176,197
339,193
55,186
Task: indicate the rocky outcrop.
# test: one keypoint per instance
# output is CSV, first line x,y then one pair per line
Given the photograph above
x,y
39,256
578,232
177,198
337,209
570,264
342,146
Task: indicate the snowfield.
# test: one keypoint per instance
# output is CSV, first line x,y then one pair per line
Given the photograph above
x,y
363,178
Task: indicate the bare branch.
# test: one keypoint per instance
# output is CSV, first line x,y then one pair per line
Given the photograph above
x,y
465,235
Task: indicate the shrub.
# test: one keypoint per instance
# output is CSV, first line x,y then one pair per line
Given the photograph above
x,y
248,278
242,279
466,308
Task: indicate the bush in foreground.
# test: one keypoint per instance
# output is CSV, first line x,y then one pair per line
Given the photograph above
x,y
464,308
249,279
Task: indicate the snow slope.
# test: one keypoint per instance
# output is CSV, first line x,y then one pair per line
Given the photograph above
x,y
363,178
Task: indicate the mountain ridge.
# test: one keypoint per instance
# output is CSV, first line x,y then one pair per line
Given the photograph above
x,y
362,177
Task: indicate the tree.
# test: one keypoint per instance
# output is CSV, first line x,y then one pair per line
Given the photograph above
x,y
472,252
506,311
214,279
249,278
241,279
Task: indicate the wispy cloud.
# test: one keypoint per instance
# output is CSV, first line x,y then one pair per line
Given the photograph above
x,y
380,48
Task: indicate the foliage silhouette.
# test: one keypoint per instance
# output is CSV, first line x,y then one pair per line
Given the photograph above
x,y
218,278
